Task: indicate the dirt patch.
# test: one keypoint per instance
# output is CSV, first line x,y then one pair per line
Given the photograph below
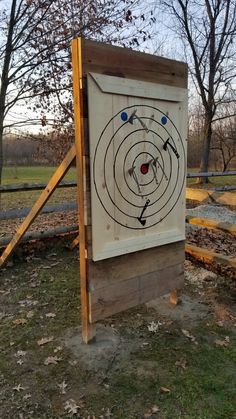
x,y
98,354
186,311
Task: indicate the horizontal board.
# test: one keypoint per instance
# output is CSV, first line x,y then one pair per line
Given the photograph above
x,y
206,196
123,62
212,224
138,88
209,256
113,270
131,292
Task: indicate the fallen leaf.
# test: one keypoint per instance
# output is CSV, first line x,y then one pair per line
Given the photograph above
x,y
155,409
45,340
222,342
52,255
73,363
62,387
150,412
54,264
57,349
18,388
27,303
50,315
153,327
20,353
71,406
18,322
30,314
20,362
108,413
188,335
181,364
165,390
52,360
27,396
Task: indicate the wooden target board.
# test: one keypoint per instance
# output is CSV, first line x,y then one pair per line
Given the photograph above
x,y
130,123
137,134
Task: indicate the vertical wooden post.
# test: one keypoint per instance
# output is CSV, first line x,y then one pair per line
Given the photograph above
x,y
88,330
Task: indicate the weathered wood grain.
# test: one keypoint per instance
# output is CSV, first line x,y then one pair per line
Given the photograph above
x,y
114,270
123,62
131,292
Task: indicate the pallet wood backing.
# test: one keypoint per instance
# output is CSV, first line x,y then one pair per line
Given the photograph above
x,y
119,283
123,62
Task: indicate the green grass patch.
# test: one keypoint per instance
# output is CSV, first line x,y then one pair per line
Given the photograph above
x,y
32,174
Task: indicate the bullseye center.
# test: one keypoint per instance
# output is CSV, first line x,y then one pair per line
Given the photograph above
x,y
144,168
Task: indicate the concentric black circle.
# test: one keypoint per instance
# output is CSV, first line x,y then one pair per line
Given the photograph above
x,y
123,146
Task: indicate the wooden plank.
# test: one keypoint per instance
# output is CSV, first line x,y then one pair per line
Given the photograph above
x,y
41,201
131,292
123,62
208,256
212,224
205,195
75,243
40,235
88,330
113,270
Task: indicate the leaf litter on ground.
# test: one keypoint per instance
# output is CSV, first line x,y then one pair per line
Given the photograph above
x,y
52,360
45,340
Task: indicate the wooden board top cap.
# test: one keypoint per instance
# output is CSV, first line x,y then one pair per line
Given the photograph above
x,y
123,62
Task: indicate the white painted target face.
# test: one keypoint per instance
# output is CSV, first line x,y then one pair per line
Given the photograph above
x,y
138,160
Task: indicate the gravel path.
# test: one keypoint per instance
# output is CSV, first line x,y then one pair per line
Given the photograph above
x,y
214,213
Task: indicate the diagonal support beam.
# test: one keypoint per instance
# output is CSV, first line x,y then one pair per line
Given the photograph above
x,y
41,201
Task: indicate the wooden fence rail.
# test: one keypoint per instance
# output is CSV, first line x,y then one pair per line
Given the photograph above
x,y
12,214
38,235
21,187
211,174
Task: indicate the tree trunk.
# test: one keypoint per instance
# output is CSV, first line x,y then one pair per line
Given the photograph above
x,y
5,79
204,165
1,149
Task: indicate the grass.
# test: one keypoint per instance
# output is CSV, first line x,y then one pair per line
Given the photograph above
x,y
32,174
48,282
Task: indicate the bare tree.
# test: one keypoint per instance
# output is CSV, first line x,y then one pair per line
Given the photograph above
x,y
35,38
225,141
208,30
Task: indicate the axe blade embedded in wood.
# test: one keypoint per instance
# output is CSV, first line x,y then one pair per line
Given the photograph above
x,y
143,222
132,116
140,218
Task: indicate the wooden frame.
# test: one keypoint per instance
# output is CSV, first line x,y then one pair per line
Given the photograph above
x,y
118,283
